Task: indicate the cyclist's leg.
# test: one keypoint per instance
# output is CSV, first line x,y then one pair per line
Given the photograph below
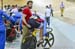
x,y
41,35
41,32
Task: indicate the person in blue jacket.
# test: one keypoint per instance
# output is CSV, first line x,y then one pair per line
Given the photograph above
x,y
18,19
3,28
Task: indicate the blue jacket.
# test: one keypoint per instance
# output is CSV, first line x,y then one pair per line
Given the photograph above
x,y
3,29
16,16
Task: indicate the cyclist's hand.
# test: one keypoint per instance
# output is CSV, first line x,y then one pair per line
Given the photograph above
x,y
28,26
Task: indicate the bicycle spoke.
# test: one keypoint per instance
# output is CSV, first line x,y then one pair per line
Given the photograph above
x,y
50,39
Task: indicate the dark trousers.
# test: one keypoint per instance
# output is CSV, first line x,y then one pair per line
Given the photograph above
x,y
48,20
52,12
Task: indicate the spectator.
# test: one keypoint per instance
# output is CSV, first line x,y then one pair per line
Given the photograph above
x,y
47,15
5,8
14,9
51,9
18,19
62,8
9,9
3,28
